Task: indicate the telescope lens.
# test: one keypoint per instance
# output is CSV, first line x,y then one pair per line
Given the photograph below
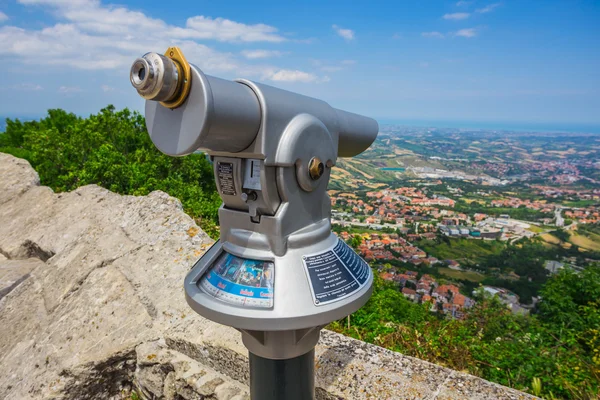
x,y
155,77
139,70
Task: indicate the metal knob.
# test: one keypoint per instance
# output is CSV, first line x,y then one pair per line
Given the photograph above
x,y
315,168
155,77
250,196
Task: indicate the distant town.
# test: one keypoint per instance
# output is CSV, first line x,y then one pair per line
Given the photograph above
x,y
450,203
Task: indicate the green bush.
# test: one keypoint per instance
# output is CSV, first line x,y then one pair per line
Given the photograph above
x,y
112,149
554,353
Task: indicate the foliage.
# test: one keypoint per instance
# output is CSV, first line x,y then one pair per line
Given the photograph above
x,y
590,228
555,354
356,241
520,213
112,149
445,248
561,234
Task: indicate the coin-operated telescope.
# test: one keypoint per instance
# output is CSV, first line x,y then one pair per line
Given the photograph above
x,y
277,274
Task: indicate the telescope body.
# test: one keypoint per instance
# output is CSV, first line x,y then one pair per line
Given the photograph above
x,y
226,116
277,273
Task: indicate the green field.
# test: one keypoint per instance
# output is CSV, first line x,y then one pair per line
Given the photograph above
x,y
462,249
586,240
467,275
535,229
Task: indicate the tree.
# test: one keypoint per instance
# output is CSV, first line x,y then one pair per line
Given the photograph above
x,y
112,149
356,241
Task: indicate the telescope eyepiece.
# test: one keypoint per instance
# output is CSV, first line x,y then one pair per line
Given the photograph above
x,y
156,77
141,74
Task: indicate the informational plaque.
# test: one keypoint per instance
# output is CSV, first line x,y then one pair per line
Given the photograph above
x,y
335,273
225,178
240,281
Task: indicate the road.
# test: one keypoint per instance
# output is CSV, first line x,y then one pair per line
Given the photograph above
x,y
366,225
560,221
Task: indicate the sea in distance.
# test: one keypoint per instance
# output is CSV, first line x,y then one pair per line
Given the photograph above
x,y
441,124
549,127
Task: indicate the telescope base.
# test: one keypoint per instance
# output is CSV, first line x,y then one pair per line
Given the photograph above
x,y
289,379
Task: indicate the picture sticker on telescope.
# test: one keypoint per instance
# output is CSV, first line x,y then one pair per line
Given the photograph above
x,y
225,178
240,281
335,273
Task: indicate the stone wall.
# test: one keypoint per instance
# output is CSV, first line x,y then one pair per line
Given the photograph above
x,y
92,307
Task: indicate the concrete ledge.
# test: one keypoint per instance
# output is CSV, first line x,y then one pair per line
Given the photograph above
x,y
92,307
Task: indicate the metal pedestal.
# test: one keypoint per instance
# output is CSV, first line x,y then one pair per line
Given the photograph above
x,y
290,379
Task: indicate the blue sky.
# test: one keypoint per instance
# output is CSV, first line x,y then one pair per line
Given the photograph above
x,y
507,61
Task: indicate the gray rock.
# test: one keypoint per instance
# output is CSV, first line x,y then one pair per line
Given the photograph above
x,y
13,272
92,307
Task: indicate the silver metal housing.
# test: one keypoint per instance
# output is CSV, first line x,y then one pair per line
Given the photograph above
x,y
247,118
293,308
218,114
261,140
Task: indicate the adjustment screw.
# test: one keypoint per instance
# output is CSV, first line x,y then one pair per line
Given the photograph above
x,y
315,168
251,196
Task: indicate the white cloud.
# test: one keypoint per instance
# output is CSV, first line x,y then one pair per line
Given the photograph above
x,y
91,15
397,36
255,54
348,62
90,35
107,89
467,33
3,17
27,87
488,8
347,34
463,3
456,16
424,64
288,75
433,34
225,30
69,89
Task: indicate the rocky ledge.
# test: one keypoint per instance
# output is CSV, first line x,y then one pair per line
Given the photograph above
x,y
92,307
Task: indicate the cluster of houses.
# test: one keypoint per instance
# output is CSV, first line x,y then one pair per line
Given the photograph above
x,y
515,202
584,215
382,246
398,206
554,192
502,228
588,215
446,299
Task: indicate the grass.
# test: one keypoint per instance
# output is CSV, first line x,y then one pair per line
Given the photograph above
x,y
359,170
548,238
535,229
581,203
462,249
590,241
467,275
